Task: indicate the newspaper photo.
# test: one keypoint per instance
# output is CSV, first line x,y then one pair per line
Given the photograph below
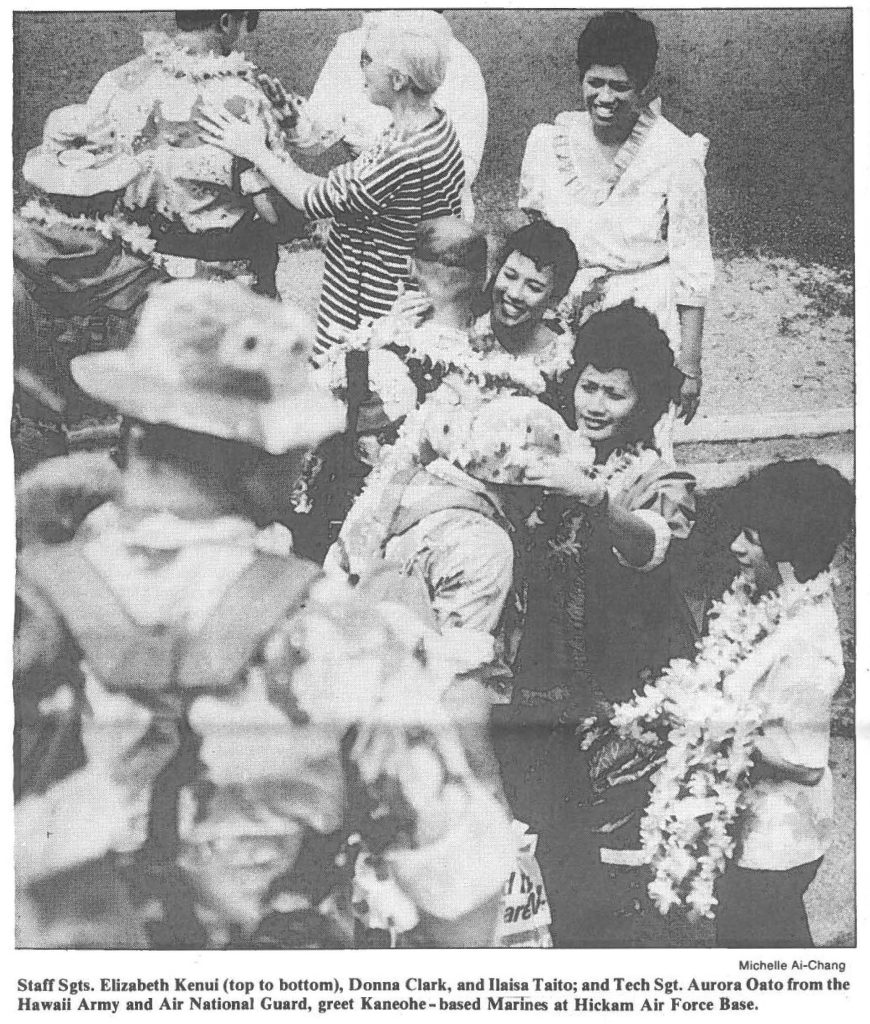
x,y
433,564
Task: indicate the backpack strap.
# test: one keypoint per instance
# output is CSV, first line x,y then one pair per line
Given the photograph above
x,y
123,654
269,590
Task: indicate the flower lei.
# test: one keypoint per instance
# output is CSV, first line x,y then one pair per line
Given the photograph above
x,y
179,62
698,791
136,237
568,542
474,355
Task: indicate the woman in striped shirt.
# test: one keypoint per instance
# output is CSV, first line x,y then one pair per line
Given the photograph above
x,y
414,173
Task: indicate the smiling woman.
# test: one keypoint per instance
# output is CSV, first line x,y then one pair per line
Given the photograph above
x,y
602,609
535,270
629,188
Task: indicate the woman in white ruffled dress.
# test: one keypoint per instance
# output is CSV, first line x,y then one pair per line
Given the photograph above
x,y
629,188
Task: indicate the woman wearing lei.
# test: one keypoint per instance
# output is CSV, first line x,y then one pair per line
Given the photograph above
x,y
518,345
602,608
534,272
744,785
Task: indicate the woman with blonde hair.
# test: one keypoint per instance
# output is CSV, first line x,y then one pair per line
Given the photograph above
x,y
415,172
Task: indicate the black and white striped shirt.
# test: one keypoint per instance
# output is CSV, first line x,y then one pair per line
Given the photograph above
x,y
377,201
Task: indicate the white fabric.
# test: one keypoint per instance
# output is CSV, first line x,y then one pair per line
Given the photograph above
x,y
797,671
662,541
640,233
341,110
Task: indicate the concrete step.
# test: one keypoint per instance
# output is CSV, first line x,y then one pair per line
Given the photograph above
x,y
712,476
765,426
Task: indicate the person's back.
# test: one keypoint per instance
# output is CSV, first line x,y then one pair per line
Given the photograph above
x,y
340,108
164,661
199,203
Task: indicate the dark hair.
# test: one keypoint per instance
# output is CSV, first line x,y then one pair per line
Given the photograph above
x,y
619,39
801,510
195,21
546,246
629,338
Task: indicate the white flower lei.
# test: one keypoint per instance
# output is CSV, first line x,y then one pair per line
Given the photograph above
x,y
136,237
710,733
475,354
179,62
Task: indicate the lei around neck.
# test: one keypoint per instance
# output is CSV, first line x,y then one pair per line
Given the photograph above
x,y
179,61
475,355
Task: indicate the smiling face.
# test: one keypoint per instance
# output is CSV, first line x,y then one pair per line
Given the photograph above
x,y
754,563
521,293
605,403
611,99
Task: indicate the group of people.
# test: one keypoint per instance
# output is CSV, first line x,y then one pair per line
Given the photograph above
x,y
355,638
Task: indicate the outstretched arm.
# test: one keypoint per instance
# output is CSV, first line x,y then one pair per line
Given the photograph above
x,y
247,139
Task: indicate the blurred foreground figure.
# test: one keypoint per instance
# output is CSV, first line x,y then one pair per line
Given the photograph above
x,y
215,747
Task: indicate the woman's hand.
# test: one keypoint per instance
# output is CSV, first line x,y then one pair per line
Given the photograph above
x,y
287,105
690,397
242,137
567,476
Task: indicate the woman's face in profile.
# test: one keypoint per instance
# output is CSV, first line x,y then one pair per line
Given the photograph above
x,y
521,293
605,403
377,77
611,99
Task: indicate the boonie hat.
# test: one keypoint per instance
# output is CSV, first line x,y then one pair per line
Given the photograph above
x,y
79,156
214,358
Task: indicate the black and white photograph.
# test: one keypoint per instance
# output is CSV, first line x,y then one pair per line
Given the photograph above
x,y
434,479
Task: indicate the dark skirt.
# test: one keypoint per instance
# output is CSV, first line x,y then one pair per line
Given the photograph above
x,y
591,635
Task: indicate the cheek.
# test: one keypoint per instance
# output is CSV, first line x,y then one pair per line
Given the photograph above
x,y
540,300
622,411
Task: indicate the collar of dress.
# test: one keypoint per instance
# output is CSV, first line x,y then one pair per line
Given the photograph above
x,y
563,147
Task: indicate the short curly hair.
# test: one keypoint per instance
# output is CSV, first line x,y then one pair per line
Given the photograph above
x,y
619,39
546,246
625,337
801,510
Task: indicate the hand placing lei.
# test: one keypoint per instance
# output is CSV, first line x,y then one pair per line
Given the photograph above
x,y
708,733
572,530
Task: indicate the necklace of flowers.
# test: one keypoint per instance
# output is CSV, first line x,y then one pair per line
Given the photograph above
x,y
567,544
473,354
179,62
709,733
136,237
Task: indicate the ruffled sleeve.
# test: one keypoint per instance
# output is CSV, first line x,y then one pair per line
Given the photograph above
x,y
536,175
665,499
689,249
